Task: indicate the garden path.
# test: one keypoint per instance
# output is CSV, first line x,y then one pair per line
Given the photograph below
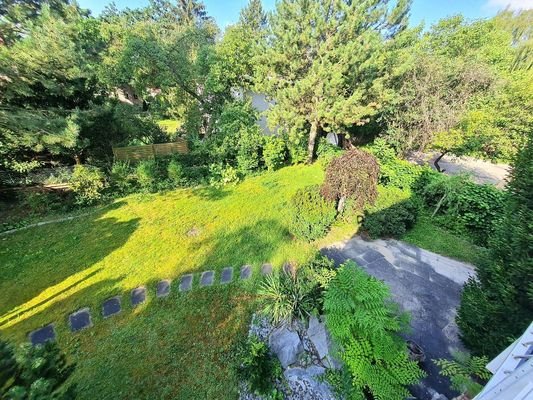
x,y
425,284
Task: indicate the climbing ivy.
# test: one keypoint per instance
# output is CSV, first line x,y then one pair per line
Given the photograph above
x,y
365,325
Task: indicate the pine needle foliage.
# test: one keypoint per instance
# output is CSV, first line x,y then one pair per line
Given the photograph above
x,y
365,325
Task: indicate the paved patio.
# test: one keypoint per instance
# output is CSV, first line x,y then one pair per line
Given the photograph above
x,y
426,285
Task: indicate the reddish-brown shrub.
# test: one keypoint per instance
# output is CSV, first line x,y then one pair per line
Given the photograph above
x,y
354,175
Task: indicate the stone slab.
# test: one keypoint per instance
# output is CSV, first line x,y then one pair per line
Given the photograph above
x,y
266,269
246,272
138,296
80,320
163,288
227,275
372,255
286,344
111,307
318,336
289,269
185,283
42,335
207,278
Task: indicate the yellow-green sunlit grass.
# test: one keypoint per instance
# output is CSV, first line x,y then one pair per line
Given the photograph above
x,y
47,272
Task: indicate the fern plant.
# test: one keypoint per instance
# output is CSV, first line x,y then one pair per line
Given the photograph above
x,y
465,372
365,325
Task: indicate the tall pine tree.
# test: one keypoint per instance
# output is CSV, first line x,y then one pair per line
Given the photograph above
x,y
498,306
329,62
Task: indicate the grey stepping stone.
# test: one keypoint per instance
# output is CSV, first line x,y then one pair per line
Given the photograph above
x,y
138,296
207,277
163,288
80,320
246,271
227,275
289,269
185,283
111,307
266,269
42,335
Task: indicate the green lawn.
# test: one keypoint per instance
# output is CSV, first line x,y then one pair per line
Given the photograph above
x,y
429,236
49,271
181,346
169,125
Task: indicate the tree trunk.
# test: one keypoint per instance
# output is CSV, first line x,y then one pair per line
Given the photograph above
x,y
313,134
341,205
436,162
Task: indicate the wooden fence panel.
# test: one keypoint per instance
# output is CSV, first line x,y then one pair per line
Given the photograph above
x,y
150,151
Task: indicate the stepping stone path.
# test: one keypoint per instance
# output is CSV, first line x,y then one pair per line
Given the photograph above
x,y
163,288
246,272
185,283
207,278
111,307
227,275
42,335
138,296
266,269
79,320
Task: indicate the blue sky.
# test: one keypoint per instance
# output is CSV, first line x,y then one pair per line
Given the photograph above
x,y
226,12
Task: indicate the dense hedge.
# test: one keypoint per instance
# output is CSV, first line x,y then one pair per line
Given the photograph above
x,y
311,214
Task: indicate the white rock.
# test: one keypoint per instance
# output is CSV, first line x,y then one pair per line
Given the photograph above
x,y
305,386
286,345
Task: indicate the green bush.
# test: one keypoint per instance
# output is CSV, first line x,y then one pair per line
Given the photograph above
x,y
122,178
237,140
147,175
34,372
221,175
42,202
274,152
366,327
259,369
326,152
393,221
249,150
311,214
394,171
87,184
175,173
460,204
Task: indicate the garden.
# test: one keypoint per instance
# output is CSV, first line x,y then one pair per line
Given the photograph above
x,y
224,270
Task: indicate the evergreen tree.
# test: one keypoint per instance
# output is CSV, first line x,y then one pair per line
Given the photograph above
x,y
498,306
328,63
253,16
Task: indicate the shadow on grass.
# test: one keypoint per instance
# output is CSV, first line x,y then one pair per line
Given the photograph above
x,y
211,193
44,263
254,243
